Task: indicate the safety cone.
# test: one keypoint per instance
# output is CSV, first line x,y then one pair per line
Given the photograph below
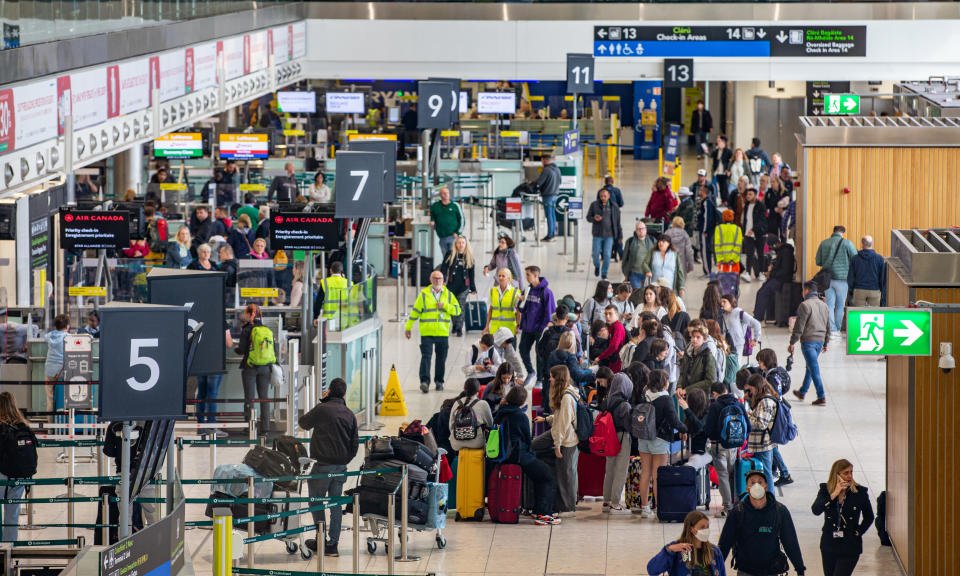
x,y
393,404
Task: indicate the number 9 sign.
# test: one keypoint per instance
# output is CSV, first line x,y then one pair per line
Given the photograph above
x,y
433,105
142,361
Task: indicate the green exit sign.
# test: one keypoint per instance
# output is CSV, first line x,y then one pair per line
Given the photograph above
x,y
888,332
841,104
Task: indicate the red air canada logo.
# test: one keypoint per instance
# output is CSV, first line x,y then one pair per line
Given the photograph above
x,y
278,219
93,218
68,217
309,219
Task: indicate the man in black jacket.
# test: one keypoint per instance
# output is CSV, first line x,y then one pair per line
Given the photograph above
x,y
333,444
756,529
754,227
284,187
701,124
780,272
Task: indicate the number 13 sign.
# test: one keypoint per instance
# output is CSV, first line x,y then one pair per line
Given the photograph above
x,y
359,185
142,369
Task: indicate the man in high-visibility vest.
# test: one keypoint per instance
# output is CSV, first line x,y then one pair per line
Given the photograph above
x,y
332,293
727,244
434,309
504,301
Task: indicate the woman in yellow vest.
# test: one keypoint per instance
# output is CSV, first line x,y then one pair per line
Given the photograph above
x,y
727,244
504,299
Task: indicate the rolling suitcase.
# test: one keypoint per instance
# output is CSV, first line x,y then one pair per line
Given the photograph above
x,y
470,492
741,468
475,315
591,470
452,484
703,487
676,492
538,427
529,495
786,302
504,491
633,483
729,283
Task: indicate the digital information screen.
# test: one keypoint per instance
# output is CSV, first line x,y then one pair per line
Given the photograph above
x,y
496,103
297,102
179,145
345,103
94,230
244,146
303,231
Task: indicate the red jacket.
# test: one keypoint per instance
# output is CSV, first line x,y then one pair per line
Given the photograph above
x,y
618,335
661,204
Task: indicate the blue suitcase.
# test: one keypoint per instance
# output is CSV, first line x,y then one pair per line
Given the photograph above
x,y
437,505
676,492
741,468
475,312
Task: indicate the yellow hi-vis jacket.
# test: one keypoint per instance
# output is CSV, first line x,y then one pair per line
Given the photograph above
x,y
503,310
334,289
727,243
434,314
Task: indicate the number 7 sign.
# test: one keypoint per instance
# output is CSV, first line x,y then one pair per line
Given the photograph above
x,y
359,184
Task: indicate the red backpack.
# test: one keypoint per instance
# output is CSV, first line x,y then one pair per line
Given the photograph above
x,y
604,440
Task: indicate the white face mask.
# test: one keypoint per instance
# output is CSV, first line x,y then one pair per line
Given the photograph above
x,y
703,535
757,491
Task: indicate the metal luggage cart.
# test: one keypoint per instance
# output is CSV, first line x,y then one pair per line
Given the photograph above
x,y
295,542
378,525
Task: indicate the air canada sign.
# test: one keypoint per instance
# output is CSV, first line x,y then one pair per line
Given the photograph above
x,y
300,231
89,230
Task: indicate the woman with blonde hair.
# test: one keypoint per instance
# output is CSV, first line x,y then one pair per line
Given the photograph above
x,y
458,274
296,286
15,427
563,402
690,554
178,251
847,515
242,237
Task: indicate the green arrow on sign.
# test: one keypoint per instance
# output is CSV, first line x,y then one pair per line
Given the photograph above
x,y
841,104
888,332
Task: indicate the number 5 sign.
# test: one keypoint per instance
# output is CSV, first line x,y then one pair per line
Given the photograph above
x,y
142,369
359,185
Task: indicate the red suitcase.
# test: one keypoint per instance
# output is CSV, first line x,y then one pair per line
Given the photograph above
x,y
536,398
504,493
591,470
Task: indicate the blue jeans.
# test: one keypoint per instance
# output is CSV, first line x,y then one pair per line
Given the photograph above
x,y
330,488
778,464
766,458
446,244
637,281
811,355
550,210
11,512
208,388
836,299
602,246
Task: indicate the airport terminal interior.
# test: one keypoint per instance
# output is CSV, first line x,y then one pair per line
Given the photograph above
x,y
464,288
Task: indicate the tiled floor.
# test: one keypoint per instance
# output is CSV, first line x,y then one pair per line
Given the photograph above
x,y
851,426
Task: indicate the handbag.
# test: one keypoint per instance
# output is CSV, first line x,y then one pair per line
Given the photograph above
x,y
824,276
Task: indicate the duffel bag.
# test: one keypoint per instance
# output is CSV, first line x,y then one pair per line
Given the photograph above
x,y
411,452
272,464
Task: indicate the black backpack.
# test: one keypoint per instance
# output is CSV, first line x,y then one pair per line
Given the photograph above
x,y
584,419
465,426
18,451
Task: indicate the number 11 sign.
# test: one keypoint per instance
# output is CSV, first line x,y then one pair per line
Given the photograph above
x,y
580,73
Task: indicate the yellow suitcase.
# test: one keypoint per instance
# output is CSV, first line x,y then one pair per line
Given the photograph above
x,y
470,492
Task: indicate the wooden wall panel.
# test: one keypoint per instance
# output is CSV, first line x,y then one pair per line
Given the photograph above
x,y
937,449
899,428
891,188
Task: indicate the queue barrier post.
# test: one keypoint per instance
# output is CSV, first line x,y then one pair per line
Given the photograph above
x,y
71,532
356,533
321,544
222,541
250,525
105,517
391,518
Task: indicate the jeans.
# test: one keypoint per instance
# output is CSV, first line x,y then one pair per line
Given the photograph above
x,y
550,211
331,488
208,388
836,299
811,355
256,378
725,460
766,458
527,341
779,466
766,298
11,512
458,320
637,281
602,247
427,346
700,138
446,244
706,252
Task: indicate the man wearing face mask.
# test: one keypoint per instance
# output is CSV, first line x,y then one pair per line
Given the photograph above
x,y
434,309
756,529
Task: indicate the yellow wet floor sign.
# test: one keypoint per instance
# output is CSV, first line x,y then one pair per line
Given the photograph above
x,y
393,404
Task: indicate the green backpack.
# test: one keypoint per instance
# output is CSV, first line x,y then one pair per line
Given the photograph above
x,y
261,347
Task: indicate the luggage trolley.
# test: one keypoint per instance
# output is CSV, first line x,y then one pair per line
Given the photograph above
x,y
379,528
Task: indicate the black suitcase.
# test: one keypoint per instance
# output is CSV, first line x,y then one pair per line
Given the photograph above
x,y
374,501
390,480
426,267
786,302
271,464
411,452
241,511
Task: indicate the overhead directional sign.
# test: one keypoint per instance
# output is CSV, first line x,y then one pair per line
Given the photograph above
x,y
580,73
888,331
756,41
359,184
841,104
817,91
571,141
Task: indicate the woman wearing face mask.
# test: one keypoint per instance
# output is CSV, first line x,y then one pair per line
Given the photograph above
x,y
691,554
847,515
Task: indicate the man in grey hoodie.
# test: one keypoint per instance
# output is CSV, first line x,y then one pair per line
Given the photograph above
x,y
617,402
812,329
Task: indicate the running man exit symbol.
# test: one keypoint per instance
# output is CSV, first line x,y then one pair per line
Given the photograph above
x,y
871,332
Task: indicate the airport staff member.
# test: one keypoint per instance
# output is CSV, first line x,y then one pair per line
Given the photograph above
x,y
434,309
504,304
333,288
284,187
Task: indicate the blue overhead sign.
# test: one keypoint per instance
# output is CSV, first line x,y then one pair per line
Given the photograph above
x,y
571,141
659,49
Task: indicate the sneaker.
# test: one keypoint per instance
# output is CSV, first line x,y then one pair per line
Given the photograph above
x,y
330,549
606,508
460,333
424,387
800,395
546,521
438,386
762,277
618,510
745,277
531,378
568,514
311,544
646,512
703,276
820,402
604,278
547,239
596,271
721,514
784,480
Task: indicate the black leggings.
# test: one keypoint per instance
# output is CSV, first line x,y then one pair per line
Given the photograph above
x,y
838,565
